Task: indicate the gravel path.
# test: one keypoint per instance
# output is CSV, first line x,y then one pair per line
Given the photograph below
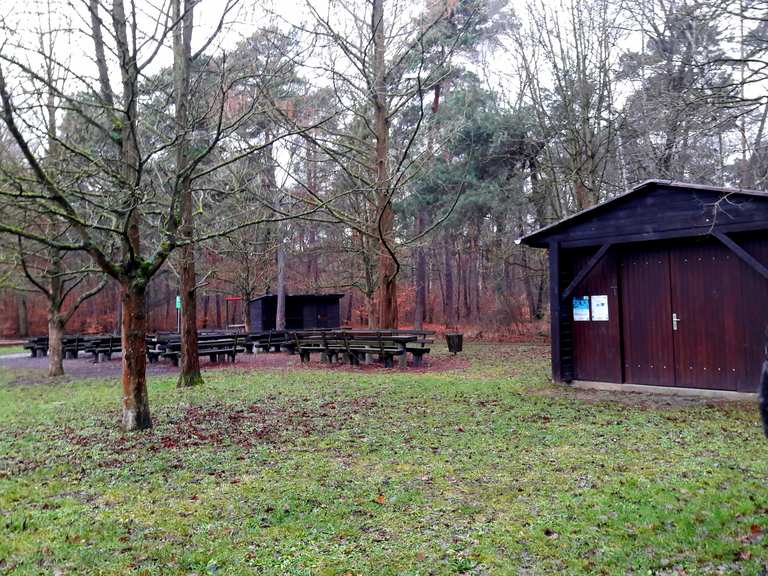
x,y
32,370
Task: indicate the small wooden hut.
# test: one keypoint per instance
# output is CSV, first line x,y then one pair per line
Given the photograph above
x,y
302,311
665,285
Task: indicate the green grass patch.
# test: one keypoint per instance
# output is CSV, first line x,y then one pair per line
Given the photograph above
x,y
483,470
5,350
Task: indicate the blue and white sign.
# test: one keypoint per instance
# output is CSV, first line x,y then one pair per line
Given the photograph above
x,y
581,309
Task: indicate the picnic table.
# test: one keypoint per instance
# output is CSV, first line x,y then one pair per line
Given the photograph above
x,y
352,345
217,350
218,345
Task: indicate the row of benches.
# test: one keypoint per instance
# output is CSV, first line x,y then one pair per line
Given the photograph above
x,y
351,346
100,346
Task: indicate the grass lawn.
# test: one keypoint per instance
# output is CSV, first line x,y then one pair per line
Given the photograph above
x,y
4,350
484,470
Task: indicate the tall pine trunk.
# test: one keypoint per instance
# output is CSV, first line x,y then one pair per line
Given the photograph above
x,y
135,400
182,46
280,313
448,309
420,276
387,266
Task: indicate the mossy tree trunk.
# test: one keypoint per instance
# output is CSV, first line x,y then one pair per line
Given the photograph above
x,y
136,414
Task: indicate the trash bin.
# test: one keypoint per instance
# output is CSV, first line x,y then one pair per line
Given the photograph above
x,y
455,342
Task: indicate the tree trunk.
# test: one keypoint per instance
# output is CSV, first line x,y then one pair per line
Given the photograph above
x,y
387,266
313,270
23,325
479,272
582,195
531,295
370,306
118,327
189,362
429,303
448,309
246,299
135,399
55,343
280,314
388,312
182,48
420,276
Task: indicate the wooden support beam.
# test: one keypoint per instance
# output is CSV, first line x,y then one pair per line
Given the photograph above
x,y
554,310
586,270
753,262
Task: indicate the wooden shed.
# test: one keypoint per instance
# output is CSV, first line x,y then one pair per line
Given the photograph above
x,y
302,311
665,285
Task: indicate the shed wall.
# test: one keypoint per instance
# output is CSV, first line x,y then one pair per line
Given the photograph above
x,y
721,303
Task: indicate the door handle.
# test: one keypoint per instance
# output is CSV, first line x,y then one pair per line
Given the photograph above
x,y
675,320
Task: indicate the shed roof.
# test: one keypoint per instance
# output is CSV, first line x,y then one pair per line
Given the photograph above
x,y
302,296
540,237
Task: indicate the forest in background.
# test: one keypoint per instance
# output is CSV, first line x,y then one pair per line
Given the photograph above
x,y
500,118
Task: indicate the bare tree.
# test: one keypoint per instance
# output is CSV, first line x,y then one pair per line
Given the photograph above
x,y
574,46
64,282
382,58
182,61
115,195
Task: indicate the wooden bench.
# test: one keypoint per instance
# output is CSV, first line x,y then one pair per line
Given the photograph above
x,y
37,346
384,348
266,341
411,341
159,344
218,350
418,349
334,344
71,345
102,347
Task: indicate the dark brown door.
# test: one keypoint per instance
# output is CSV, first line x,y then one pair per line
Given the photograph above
x,y
708,322
647,317
596,344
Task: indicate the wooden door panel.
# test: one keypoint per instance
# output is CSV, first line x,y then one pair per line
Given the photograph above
x,y
706,296
647,317
755,300
596,344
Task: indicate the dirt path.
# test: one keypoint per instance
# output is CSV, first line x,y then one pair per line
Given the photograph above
x,y
32,370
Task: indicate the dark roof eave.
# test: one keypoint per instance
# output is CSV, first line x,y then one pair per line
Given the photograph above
x,y
333,295
537,239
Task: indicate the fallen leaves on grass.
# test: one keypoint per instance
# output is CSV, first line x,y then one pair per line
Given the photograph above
x,y
223,424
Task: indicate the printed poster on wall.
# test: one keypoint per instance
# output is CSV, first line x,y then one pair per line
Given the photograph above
x,y
581,309
600,308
